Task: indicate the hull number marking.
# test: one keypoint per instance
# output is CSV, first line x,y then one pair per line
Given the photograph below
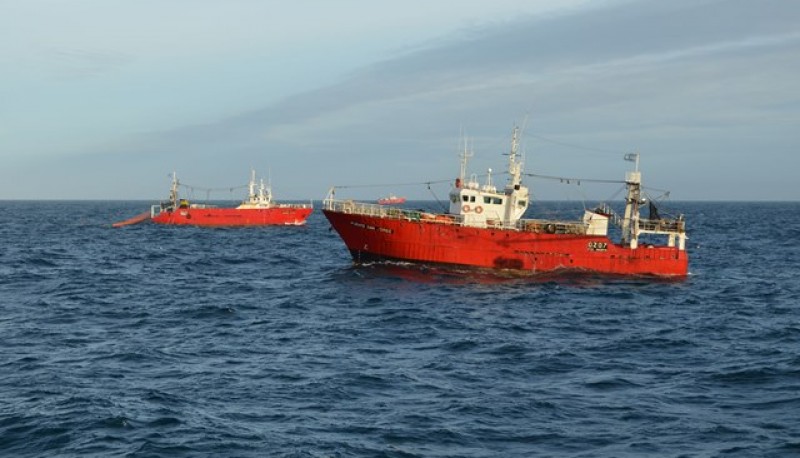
x,y
598,246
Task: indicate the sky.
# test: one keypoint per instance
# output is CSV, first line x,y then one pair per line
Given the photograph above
x,y
103,99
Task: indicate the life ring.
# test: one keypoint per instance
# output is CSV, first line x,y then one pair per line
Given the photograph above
x,y
465,208
550,228
479,209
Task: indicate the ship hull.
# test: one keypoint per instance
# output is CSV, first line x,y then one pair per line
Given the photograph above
x,y
370,238
231,217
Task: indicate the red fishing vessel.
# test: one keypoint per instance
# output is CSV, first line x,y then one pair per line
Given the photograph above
x,y
391,200
259,209
484,228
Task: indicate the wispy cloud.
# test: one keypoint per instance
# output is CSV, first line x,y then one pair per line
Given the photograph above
x,y
78,63
615,41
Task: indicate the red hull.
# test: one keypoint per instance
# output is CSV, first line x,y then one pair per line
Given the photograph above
x,y
375,238
233,216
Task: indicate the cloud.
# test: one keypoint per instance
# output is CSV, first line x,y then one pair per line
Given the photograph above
x,y
610,43
77,63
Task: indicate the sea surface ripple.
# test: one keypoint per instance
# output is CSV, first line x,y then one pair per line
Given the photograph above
x,y
164,341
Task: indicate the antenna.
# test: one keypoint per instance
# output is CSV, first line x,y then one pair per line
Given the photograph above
x,y
514,165
633,157
524,124
465,155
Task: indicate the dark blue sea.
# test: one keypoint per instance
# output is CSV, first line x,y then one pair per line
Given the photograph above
x,y
154,341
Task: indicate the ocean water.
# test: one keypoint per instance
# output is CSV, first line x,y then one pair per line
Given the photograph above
x,y
151,341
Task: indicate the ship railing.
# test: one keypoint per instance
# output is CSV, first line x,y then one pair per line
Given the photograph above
x,y
382,211
525,225
308,205
362,208
544,226
156,210
662,226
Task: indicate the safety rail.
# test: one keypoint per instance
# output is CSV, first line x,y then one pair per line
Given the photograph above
x,y
662,225
523,225
308,205
380,211
542,226
156,210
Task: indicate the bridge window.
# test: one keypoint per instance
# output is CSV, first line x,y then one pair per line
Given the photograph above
x,y
465,198
497,201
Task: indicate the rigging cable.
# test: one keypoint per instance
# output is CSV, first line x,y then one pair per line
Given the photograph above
x,y
392,184
570,179
572,145
200,188
444,209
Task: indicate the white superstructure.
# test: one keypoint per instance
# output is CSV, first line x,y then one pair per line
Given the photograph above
x,y
260,198
483,206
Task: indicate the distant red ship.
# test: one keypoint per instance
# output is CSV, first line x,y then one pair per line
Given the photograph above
x,y
391,200
484,228
258,210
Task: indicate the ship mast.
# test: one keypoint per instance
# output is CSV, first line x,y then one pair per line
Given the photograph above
x,y
173,190
264,194
517,196
252,186
260,194
465,155
514,167
633,181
